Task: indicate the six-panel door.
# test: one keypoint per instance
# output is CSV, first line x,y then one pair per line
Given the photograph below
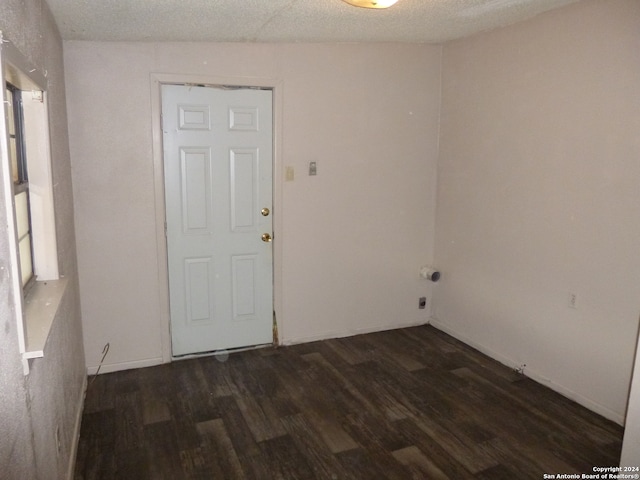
x,y
218,184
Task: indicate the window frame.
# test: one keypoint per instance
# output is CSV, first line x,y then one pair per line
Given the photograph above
x,y
37,307
18,128
20,179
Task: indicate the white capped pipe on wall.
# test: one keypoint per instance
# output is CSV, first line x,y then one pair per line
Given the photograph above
x,y
430,273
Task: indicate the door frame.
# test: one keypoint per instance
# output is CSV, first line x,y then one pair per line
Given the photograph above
x,y
157,80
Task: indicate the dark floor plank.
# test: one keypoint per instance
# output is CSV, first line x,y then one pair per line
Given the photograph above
x,y
345,395
129,424
461,447
222,458
430,411
217,374
260,416
101,467
345,349
318,455
95,458
163,452
242,438
528,459
513,416
155,407
360,465
320,409
100,394
374,430
435,450
394,347
419,465
403,404
133,464
284,460
499,472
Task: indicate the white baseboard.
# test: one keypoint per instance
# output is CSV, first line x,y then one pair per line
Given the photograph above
x,y
116,367
533,375
350,333
76,432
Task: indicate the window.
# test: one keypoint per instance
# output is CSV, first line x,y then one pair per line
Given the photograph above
x,y
27,188
19,175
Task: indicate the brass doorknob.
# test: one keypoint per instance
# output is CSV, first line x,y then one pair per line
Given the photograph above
x,y
266,237
265,212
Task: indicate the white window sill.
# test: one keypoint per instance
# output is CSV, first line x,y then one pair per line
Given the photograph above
x,y
41,306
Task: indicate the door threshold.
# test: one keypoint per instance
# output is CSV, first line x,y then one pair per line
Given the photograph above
x,y
222,355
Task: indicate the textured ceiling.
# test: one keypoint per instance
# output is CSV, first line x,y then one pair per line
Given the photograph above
x,y
424,21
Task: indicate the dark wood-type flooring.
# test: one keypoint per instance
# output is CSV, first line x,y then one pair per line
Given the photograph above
x,y
405,404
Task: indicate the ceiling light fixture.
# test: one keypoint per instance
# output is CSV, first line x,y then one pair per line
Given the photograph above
x,y
371,3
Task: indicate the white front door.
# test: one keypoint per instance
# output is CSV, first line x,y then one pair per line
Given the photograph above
x,y
218,192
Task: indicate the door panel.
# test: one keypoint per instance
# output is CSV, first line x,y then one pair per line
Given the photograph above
x,y
218,177
244,207
243,271
198,291
195,176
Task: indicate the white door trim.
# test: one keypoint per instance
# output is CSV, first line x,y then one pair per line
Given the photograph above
x,y
157,79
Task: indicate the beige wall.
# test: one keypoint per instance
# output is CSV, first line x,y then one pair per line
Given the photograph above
x,y
352,238
538,197
32,407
